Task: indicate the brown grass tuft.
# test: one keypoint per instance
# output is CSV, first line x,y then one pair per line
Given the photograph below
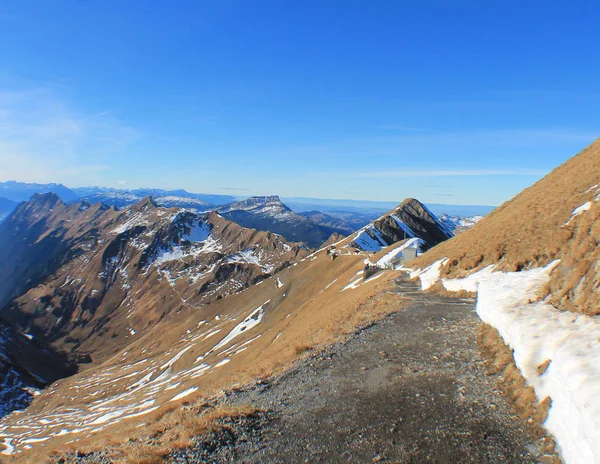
x,y
439,288
302,348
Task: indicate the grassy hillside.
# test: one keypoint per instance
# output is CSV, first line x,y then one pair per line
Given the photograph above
x,y
541,224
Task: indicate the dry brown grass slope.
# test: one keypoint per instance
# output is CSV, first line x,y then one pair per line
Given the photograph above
x,y
537,227
305,306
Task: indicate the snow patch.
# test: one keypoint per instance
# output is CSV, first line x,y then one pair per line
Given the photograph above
x,y
580,209
387,259
184,393
430,275
251,321
352,285
469,283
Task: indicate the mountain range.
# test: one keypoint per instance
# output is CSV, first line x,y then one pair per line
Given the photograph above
x,y
113,317
267,213
122,294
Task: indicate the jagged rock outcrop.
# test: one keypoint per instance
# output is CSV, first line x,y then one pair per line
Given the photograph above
x,y
411,219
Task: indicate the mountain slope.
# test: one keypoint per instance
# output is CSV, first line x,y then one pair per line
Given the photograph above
x,y
269,213
90,279
200,351
556,218
26,366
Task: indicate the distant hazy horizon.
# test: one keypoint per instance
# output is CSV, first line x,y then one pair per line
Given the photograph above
x,y
297,204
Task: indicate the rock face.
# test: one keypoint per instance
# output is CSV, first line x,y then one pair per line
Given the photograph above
x,y
26,366
90,279
411,219
269,213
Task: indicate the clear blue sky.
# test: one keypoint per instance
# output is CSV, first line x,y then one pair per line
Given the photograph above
x,y
463,102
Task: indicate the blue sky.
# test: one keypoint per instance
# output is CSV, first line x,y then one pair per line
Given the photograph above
x,y
463,102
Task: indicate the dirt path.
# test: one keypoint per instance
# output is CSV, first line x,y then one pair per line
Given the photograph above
x,y
411,388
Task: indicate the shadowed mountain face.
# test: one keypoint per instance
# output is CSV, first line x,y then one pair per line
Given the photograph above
x,y
26,366
269,213
89,279
6,207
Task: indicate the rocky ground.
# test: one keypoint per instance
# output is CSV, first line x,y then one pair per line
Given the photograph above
x,y
411,388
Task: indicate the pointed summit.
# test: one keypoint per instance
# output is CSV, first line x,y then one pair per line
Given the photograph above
x,y
410,219
145,204
41,203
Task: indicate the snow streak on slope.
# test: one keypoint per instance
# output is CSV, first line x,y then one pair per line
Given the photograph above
x,y
136,218
148,384
369,239
251,321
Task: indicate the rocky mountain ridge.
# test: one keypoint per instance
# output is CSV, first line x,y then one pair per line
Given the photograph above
x,y
410,220
90,278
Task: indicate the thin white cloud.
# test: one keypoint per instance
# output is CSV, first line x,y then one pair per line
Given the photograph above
x,y
447,173
42,139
